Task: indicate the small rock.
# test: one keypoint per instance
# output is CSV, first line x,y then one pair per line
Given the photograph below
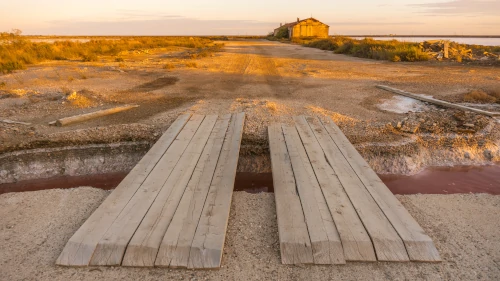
x,y
467,155
469,125
398,125
488,155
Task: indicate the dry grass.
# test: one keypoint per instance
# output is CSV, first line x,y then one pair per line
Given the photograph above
x,y
272,106
338,118
169,66
191,64
480,96
369,48
79,100
16,52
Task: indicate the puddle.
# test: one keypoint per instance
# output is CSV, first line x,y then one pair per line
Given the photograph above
x,y
103,181
447,180
438,180
254,182
400,104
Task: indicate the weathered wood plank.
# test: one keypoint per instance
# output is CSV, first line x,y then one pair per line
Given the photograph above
x,y
325,241
143,247
438,102
356,243
176,244
111,247
387,243
92,115
81,245
418,245
208,242
295,244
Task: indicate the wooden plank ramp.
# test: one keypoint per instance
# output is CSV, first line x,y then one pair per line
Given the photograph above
x,y
326,194
172,208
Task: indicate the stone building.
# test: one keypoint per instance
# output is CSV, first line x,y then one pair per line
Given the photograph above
x,y
310,27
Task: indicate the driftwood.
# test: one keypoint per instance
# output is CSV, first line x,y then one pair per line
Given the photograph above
x,y
438,102
88,116
14,122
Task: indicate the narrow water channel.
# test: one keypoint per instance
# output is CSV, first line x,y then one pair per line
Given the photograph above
x,y
436,180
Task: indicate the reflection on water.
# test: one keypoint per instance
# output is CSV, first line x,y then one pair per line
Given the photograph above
x,y
438,180
447,180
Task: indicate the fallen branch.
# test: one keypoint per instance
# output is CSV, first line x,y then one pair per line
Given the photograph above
x,y
15,122
88,116
438,102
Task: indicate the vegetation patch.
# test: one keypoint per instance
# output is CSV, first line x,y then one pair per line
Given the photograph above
x,y
369,48
481,96
16,51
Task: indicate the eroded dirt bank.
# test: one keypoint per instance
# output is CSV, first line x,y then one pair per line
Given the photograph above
x,y
36,225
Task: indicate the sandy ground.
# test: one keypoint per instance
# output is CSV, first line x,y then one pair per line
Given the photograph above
x,y
34,227
269,81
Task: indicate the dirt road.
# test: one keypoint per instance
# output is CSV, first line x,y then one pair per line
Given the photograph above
x,y
271,82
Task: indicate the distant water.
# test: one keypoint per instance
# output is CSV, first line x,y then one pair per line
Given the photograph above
x,y
461,40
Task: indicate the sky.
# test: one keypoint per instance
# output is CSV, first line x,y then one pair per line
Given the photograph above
x,y
256,17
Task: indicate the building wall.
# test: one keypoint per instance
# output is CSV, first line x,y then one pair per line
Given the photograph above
x,y
309,28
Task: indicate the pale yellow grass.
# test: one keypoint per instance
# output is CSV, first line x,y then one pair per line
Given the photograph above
x,y
79,100
336,117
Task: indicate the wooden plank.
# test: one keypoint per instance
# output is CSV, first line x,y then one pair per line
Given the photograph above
x,y
387,243
325,241
438,102
92,115
111,247
295,244
356,242
81,245
208,242
143,247
418,245
176,244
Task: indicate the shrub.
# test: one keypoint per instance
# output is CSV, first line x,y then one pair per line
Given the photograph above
x,y
89,57
191,64
119,60
169,66
479,96
282,33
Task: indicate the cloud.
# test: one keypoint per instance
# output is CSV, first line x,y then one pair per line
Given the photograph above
x,y
165,26
461,7
139,14
376,23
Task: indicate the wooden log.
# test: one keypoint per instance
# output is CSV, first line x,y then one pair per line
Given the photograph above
x,y
87,116
438,102
14,122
